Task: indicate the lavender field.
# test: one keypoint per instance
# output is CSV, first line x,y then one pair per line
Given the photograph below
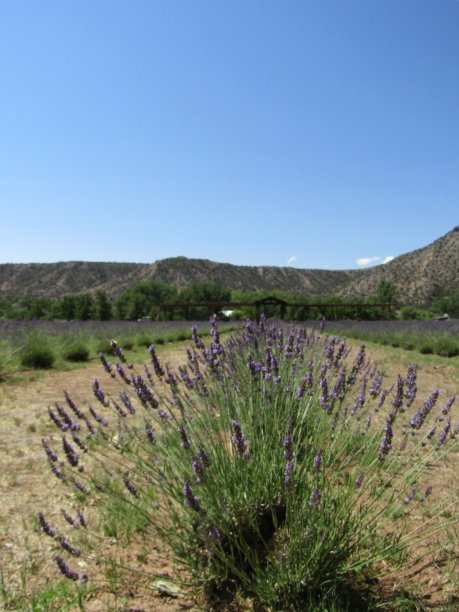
x,y
427,337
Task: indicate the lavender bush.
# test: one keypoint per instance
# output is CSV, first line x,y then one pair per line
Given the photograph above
x,y
278,466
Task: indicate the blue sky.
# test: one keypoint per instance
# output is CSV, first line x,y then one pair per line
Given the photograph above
x,y
312,133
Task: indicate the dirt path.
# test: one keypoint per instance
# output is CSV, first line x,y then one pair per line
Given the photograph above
x,y
27,486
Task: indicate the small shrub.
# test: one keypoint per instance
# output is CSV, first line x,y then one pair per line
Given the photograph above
x,y
144,339
103,346
76,352
37,352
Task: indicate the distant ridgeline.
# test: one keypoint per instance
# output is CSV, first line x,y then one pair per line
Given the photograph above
x,y
89,289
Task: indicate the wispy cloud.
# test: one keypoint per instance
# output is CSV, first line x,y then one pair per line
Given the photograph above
x,y
292,259
365,261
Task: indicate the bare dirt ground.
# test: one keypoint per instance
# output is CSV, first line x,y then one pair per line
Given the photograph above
x,y
27,487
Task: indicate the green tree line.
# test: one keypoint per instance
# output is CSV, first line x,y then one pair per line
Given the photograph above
x,y
145,299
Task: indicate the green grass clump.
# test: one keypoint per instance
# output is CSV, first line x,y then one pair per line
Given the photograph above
x,y
76,351
37,352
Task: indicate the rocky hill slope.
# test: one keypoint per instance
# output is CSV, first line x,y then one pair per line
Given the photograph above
x,y
419,276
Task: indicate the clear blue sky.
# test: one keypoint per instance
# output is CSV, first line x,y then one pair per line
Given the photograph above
x,y
310,133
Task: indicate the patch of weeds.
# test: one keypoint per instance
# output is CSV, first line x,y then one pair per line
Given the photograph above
x,y
63,595
121,514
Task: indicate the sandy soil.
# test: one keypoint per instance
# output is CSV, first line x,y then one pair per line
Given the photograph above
x,y
27,486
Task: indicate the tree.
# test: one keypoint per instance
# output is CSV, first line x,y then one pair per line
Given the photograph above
x,y
103,309
209,293
386,291
137,301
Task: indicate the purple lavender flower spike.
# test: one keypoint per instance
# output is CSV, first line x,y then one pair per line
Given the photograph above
x,y
82,519
376,386
100,419
213,533
204,457
289,473
325,400
120,410
80,486
339,388
360,399
149,432
409,497
155,362
122,373
80,443
416,420
71,454
358,481
239,440
69,519
57,472
75,552
191,500
357,366
427,492
62,426
196,339
73,406
410,382
444,433
185,443
317,463
130,486
447,407
397,401
315,498
106,364
149,375
127,402
339,353
65,569
386,443
49,451
288,446
117,351
46,527
144,393
198,467
99,393
382,397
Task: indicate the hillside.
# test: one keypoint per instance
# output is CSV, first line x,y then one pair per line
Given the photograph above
x,y
419,276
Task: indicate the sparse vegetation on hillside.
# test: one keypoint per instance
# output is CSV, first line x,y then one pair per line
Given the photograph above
x,y
420,276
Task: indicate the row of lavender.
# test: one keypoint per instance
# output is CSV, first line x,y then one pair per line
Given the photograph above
x,y
440,337
278,466
37,343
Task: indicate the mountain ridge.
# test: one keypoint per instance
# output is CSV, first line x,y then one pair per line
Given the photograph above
x,y
419,276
